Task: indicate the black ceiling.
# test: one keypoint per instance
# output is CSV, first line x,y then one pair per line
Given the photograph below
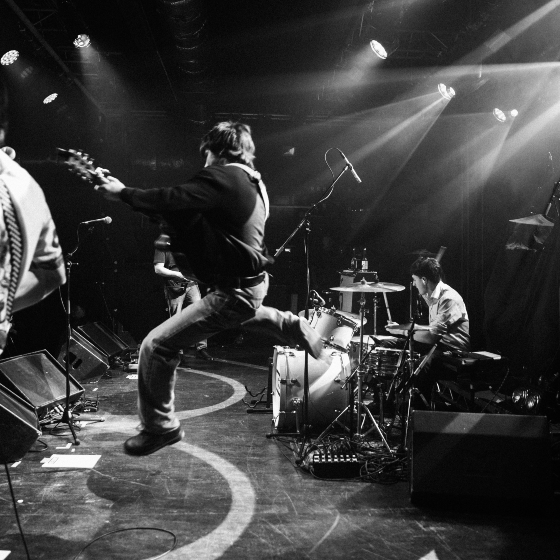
x,y
289,57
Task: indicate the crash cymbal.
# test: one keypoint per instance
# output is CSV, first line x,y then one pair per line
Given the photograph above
x,y
535,220
370,287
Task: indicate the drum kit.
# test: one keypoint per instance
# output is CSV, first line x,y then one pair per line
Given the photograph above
x,y
336,390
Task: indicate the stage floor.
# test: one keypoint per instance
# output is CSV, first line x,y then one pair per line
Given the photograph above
x,y
228,491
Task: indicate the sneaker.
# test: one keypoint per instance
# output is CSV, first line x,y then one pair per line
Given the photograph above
x,y
145,443
202,353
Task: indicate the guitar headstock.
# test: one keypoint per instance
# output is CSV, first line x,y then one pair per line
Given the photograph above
x,y
81,164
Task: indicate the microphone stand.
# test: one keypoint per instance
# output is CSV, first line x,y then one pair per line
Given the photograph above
x,y
67,414
303,428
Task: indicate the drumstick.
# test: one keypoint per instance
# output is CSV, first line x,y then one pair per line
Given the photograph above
x,y
439,255
387,306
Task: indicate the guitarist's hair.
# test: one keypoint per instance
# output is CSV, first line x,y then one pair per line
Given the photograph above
x,y
231,142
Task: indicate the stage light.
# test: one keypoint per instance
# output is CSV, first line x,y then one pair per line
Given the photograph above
x,y
26,72
82,41
504,116
499,115
9,58
446,92
50,98
378,49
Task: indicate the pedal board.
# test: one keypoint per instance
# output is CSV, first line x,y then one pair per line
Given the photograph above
x,y
334,465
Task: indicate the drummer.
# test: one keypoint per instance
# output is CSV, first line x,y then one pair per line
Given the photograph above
x,y
448,320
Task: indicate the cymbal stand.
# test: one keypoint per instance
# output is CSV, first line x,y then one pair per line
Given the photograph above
x,y
375,306
408,383
359,405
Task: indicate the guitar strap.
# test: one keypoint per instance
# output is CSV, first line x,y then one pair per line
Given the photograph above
x,y
256,176
10,260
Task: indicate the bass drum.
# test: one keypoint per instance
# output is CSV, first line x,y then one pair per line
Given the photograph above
x,y
327,397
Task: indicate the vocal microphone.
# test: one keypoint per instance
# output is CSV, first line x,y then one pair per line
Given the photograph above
x,y
105,220
351,167
9,151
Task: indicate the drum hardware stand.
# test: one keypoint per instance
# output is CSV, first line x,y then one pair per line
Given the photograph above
x,y
407,387
303,430
252,406
360,407
410,390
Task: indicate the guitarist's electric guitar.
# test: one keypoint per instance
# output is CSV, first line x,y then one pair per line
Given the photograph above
x,y
81,164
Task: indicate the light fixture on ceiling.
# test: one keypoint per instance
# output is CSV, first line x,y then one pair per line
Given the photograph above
x,y
446,92
378,49
50,98
503,116
82,41
9,58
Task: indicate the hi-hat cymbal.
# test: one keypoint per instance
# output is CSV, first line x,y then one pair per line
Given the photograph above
x,y
535,220
370,287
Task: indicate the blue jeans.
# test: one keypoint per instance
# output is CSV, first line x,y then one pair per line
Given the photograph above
x,y
221,309
175,304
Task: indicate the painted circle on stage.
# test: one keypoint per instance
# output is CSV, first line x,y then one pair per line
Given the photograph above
x,y
243,498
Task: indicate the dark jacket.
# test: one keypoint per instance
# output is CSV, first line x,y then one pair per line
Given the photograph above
x,y
216,220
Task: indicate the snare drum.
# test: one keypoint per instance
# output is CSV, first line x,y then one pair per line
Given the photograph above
x,y
384,362
354,350
327,398
333,327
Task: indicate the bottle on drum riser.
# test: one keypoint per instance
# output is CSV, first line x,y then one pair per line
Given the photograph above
x,y
354,261
364,260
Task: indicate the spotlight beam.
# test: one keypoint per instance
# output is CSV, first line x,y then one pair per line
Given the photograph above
x,y
52,52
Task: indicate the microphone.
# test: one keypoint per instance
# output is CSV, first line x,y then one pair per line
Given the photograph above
x,y
9,151
351,167
105,220
316,297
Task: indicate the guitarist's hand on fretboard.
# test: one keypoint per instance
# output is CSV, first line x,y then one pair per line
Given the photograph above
x,y
81,164
110,187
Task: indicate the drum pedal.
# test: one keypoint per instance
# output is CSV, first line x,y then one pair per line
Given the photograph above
x,y
334,465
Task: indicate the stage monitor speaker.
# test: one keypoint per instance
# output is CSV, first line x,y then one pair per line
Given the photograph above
x,y
481,459
103,339
39,379
86,361
19,426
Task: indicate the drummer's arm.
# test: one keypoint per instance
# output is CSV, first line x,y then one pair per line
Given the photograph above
x,y
429,334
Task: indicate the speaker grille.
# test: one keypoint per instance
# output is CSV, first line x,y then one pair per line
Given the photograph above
x,y
19,426
39,379
103,339
480,456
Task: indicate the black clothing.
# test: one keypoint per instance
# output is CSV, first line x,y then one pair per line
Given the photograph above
x,y
216,220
